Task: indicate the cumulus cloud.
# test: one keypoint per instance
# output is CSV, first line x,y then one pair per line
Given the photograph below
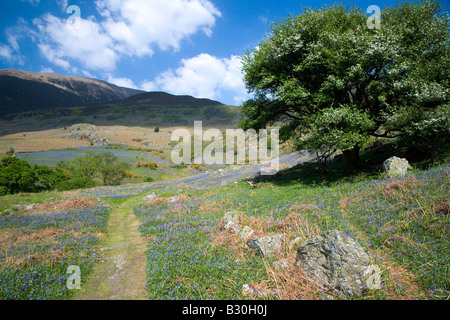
x,y
121,82
84,42
126,28
6,52
203,76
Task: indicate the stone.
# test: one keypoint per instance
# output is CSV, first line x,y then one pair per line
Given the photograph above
x,y
335,261
231,216
234,227
151,197
266,246
246,233
396,167
295,243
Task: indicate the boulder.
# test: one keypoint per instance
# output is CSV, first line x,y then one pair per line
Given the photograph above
x,y
335,261
151,197
266,246
396,167
231,221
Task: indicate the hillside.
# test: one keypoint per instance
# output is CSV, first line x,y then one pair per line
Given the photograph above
x,y
43,101
22,91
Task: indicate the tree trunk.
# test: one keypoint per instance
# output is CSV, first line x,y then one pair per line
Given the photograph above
x,y
353,160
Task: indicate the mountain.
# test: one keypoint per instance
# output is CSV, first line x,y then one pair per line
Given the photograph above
x,y
22,91
40,101
165,99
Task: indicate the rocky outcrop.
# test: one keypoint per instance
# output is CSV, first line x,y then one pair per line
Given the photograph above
x,y
335,261
396,167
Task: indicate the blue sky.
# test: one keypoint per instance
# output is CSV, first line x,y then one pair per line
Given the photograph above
x,y
178,46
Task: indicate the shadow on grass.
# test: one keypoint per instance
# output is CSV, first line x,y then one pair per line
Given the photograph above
x,y
313,173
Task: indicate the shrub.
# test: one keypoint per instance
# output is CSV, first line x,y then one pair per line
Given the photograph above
x,y
157,129
75,183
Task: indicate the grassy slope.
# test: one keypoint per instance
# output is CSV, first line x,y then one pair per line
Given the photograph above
x,y
189,257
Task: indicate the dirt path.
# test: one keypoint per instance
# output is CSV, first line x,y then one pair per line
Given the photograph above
x,y
120,273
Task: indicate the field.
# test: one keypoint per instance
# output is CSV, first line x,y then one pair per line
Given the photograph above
x,y
402,223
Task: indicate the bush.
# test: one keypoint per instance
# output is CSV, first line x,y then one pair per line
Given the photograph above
x,y
75,183
3,191
157,129
148,179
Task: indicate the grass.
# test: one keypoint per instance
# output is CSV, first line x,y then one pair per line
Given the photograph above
x,y
402,223
37,249
397,221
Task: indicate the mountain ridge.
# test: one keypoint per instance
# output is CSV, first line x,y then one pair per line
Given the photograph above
x,y
22,91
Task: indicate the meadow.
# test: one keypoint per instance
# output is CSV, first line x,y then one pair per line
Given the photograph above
x,y
402,223
37,247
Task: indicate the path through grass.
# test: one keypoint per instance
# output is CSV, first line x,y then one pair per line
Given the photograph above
x,y
120,272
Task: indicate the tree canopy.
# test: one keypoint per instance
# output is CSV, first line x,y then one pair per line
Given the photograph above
x,y
332,82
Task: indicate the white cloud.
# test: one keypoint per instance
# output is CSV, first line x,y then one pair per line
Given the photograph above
x,y
203,76
141,24
121,82
84,42
46,70
6,52
63,4
126,28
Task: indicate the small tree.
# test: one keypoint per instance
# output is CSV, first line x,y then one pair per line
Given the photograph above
x,y
10,152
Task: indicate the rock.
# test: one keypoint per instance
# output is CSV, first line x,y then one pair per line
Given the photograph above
x,y
396,167
231,216
174,199
151,197
295,243
246,233
266,245
336,261
234,227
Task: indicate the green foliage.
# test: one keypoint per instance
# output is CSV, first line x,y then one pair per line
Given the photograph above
x,y
75,183
10,152
157,129
331,81
16,175
148,179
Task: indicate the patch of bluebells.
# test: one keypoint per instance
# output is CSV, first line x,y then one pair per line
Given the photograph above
x,y
40,274
407,224
181,263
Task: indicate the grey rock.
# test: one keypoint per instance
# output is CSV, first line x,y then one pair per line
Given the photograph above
x,y
231,216
396,167
336,261
266,246
151,197
246,232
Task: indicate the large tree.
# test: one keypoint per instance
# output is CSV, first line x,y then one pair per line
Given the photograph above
x,y
332,82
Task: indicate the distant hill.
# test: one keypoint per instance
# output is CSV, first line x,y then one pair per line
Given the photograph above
x,y
165,99
22,91
40,101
